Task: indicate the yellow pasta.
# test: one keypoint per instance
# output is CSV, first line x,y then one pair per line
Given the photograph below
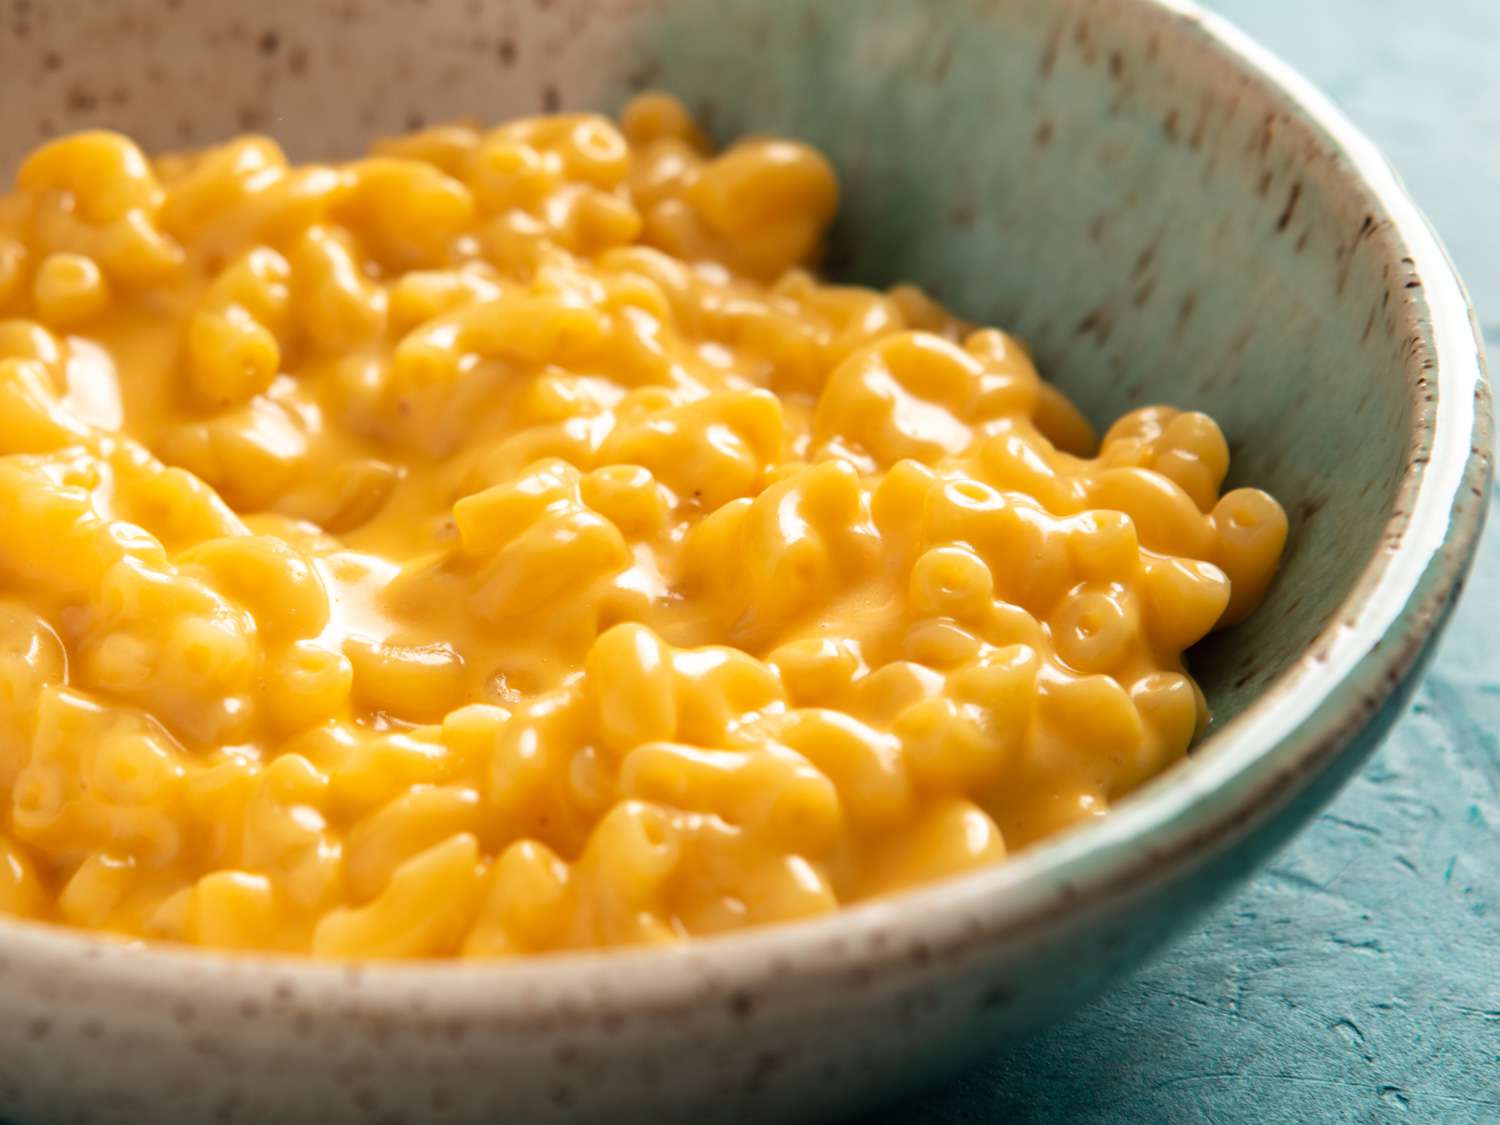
x,y
504,543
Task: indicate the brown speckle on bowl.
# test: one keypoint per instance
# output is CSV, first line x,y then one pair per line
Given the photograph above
x,y
80,99
1291,206
1097,322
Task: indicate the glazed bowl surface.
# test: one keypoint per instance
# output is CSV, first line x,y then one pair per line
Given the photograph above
x,y
1162,210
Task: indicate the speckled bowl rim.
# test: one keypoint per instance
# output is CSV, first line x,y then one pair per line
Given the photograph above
x,y
1286,737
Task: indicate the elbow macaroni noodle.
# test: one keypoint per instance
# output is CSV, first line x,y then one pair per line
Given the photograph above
x,y
504,544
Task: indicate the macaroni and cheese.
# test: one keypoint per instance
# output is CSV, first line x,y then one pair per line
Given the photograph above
x,y
503,543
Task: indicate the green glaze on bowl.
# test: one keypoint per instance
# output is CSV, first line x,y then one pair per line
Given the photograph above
x,y
1162,210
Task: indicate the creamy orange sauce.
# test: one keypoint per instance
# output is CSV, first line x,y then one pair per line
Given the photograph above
x,y
503,543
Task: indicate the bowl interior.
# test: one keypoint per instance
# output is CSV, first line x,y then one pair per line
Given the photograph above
x,y
1156,229
1180,252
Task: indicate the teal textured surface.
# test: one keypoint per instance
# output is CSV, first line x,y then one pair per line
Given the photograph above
x,y
1358,977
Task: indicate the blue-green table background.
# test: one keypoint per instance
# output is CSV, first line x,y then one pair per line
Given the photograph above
x,y
1358,977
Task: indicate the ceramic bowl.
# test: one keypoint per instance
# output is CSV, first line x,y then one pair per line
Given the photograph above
x,y
1162,209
